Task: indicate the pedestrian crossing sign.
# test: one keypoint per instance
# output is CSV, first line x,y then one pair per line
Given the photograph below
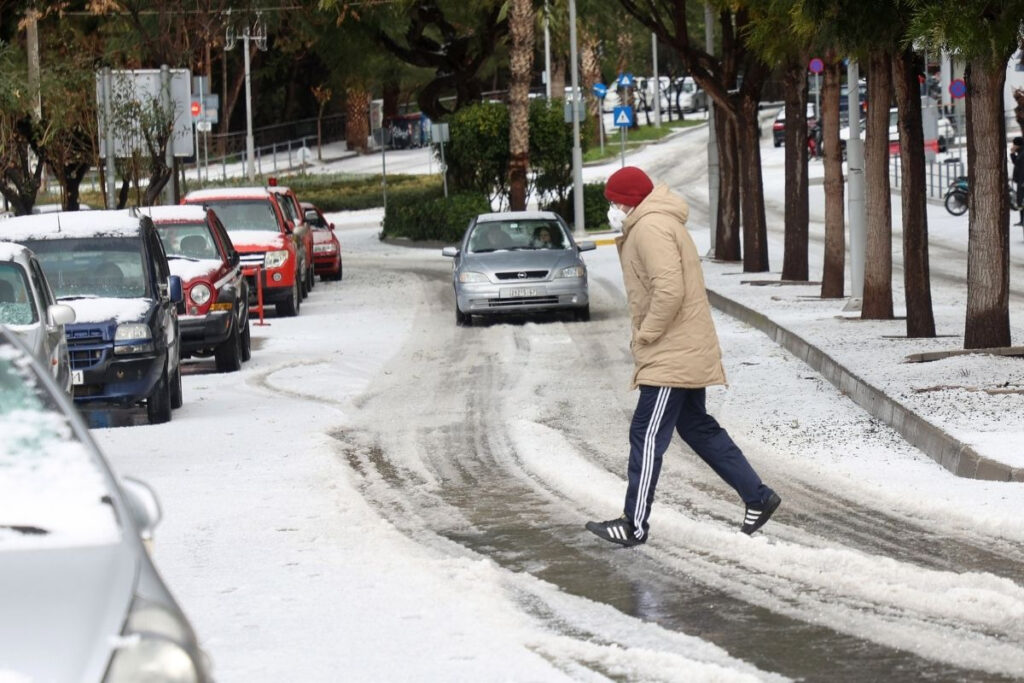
x,y
623,116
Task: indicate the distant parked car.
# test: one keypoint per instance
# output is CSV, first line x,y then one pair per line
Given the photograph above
x,y
111,268
215,320
519,262
29,309
944,129
82,600
326,247
779,125
292,209
263,237
691,97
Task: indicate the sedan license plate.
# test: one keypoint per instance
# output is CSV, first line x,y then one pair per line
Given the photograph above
x,y
520,292
77,377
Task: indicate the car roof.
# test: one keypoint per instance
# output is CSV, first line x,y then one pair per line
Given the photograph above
x,y
516,216
228,193
175,213
10,251
72,224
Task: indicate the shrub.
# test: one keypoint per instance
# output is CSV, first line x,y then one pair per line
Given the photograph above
x,y
431,216
477,155
550,149
595,207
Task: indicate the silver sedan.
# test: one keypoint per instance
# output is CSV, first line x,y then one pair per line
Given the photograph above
x,y
521,262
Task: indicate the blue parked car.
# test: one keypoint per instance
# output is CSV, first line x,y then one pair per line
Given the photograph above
x,y
110,267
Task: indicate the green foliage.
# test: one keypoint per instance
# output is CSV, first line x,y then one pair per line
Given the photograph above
x,y
595,207
478,155
550,149
427,216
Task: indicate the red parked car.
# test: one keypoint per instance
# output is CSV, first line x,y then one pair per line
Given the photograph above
x,y
215,319
326,247
264,238
292,210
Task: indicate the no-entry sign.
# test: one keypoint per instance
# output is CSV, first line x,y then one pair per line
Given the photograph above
x,y
958,88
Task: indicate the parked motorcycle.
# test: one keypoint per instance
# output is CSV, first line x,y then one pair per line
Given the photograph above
x,y
956,196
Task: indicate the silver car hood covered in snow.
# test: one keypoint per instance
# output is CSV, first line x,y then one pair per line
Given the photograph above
x,y
62,610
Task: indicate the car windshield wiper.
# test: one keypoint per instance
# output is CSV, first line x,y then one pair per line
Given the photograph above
x,y
26,530
187,258
74,297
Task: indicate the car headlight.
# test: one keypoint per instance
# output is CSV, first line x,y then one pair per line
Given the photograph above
x,y
199,293
470,276
571,271
328,248
133,338
155,645
275,259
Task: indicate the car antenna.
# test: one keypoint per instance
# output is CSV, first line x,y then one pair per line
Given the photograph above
x,y
58,222
133,211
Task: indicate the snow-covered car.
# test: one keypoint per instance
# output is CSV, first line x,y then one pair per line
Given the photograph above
x,y
82,599
690,96
945,133
519,262
29,309
265,240
110,267
215,320
326,246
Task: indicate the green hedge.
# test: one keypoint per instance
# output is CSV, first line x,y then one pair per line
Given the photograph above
x,y
595,207
430,216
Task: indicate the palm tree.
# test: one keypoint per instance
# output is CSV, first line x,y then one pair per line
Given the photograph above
x,y
520,26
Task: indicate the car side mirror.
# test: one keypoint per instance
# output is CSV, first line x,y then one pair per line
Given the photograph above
x,y
450,252
586,246
331,226
143,506
60,314
176,291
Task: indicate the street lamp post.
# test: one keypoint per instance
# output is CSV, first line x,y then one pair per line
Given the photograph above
x,y
577,151
257,34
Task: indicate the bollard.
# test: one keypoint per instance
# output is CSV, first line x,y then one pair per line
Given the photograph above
x,y
258,272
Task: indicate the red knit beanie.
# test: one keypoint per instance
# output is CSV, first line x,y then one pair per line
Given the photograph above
x,y
628,186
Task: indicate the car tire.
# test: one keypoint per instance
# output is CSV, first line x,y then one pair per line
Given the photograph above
x,y
177,399
303,285
158,405
778,143
289,308
310,279
229,353
337,276
462,319
246,342
583,314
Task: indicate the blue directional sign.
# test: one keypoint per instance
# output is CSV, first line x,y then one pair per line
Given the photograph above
x,y
625,81
599,89
623,116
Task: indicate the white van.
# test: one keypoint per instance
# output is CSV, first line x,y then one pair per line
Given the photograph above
x,y
691,97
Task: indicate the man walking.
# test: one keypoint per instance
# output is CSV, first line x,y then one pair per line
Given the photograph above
x,y
676,355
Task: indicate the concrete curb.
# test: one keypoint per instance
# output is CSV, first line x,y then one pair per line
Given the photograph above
x,y
951,453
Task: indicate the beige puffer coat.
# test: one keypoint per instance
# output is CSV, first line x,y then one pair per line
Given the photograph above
x,y
674,342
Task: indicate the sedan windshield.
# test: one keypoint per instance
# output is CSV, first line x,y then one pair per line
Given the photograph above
x,y
16,304
190,240
93,267
241,214
519,234
52,490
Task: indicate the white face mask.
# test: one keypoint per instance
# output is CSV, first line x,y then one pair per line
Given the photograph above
x,y
616,217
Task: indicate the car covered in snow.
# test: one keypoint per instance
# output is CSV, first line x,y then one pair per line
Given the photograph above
x,y
29,309
265,240
110,267
519,262
215,319
82,599
326,246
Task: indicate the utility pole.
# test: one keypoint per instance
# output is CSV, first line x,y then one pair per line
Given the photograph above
x,y
257,34
713,180
855,204
577,151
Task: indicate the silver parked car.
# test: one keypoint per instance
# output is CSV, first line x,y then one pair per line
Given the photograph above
x,y
27,307
81,598
519,262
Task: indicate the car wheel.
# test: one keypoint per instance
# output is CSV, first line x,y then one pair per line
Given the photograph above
x,y
229,353
311,279
290,307
337,276
462,319
158,405
583,314
176,396
303,285
778,143
246,343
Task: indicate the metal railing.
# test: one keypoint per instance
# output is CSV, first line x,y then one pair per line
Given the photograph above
x,y
938,174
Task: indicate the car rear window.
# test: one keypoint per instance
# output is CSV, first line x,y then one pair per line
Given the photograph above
x,y
17,307
53,492
242,214
190,240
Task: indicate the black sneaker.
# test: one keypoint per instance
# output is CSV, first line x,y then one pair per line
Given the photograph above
x,y
756,517
619,531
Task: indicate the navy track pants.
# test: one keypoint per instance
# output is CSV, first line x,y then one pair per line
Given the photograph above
x,y
659,410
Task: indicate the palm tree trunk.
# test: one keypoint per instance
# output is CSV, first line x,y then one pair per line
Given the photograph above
x,y
988,242
833,271
520,25
877,301
357,118
794,258
916,279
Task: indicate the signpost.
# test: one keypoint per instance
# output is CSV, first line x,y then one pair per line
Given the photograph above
x,y
816,66
623,118
600,90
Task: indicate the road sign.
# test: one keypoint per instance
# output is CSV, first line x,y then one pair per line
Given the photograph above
x,y
600,89
204,126
196,108
816,66
958,88
623,116
625,81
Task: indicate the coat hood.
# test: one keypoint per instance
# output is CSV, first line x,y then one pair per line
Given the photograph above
x,y
661,200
